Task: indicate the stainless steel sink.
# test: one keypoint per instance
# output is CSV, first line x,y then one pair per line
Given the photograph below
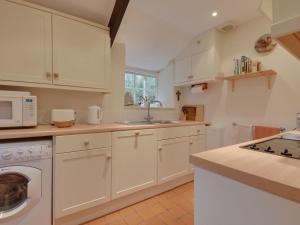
x,y
145,122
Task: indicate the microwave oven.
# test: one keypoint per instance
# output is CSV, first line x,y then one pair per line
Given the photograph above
x,y
17,109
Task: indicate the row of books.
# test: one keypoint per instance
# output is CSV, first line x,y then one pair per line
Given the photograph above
x,y
246,65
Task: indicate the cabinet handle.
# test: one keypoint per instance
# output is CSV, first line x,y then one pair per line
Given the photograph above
x,y
56,75
191,77
86,143
49,75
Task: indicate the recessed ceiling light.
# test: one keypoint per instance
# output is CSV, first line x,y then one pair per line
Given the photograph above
x,y
214,14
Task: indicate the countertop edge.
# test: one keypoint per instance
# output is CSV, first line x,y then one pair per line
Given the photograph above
x,y
264,184
48,130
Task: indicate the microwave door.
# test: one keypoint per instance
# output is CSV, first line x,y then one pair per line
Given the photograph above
x,y
11,111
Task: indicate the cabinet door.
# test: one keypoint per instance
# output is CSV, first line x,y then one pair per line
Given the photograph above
x,y
82,180
201,67
134,163
81,54
173,158
25,44
197,144
183,70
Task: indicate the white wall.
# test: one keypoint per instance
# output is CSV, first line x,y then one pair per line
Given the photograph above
x,y
252,103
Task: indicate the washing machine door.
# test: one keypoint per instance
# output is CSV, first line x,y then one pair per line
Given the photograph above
x,y
20,190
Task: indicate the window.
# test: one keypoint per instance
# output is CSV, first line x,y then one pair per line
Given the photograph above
x,y
139,86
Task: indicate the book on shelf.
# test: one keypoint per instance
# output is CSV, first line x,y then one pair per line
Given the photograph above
x,y
245,65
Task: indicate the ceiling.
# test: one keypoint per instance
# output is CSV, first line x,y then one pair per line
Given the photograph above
x,y
156,31
98,11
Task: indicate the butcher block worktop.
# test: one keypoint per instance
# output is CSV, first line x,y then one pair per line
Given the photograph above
x,y
271,173
48,130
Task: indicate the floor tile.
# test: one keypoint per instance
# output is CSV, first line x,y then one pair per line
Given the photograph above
x,y
174,207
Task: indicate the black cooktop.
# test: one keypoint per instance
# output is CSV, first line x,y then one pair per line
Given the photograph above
x,y
278,146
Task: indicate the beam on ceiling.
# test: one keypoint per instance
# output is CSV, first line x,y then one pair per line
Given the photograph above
x,y
117,17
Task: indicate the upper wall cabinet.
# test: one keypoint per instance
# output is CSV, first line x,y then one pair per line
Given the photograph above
x,y
199,62
286,24
80,54
52,50
25,44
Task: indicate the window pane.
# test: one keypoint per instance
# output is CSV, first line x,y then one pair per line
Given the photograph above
x,y
129,80
139,93
139,81
151,83
138,86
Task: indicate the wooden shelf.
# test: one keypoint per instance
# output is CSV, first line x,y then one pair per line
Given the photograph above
x,y
266,73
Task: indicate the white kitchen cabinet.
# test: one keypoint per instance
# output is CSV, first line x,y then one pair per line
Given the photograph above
x,y
134,165
82,180
200,61
183,70
81,54
25,44
197,145
173,159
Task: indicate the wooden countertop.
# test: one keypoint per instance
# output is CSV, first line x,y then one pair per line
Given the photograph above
x,y
271,173
48,130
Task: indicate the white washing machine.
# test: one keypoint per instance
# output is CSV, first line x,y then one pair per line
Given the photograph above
x,y
26,182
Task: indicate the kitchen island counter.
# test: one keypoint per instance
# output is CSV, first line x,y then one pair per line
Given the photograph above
x,y
271,173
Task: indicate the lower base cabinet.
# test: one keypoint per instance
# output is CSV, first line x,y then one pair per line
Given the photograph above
x,y
173,159
197,144
82,180
134,161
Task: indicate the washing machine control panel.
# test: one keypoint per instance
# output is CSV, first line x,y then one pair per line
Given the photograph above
x,y
10,154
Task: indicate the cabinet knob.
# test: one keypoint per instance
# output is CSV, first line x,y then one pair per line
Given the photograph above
x,y
160,148
137,133
191,77
49,75
108,156
191,142
86,143
56,75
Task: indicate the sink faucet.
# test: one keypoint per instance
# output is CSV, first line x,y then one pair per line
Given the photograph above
x,y
148,103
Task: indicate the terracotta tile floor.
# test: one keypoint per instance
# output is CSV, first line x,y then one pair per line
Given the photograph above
x,y
174,207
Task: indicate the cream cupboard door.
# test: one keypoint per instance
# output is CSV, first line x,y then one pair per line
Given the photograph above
x,y
82,180
197,144
81,54
173,159
25,44
183,70
134,165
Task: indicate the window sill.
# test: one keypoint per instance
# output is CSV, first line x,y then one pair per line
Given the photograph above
x,y
152,108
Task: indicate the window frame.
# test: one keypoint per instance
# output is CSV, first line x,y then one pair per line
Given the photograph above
x,y
144,74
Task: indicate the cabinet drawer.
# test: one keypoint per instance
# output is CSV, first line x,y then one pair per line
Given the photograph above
x,y
71,143
196,130
172,132
133,133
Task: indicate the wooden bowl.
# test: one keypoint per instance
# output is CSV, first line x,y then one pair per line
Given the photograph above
x,y
64,124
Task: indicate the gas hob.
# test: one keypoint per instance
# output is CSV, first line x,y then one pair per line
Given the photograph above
x,y
286,146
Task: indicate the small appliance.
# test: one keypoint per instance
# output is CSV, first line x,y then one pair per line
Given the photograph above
x,y
63,117
95,114
17,109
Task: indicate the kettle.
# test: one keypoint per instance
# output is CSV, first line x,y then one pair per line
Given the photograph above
x,y
95,114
